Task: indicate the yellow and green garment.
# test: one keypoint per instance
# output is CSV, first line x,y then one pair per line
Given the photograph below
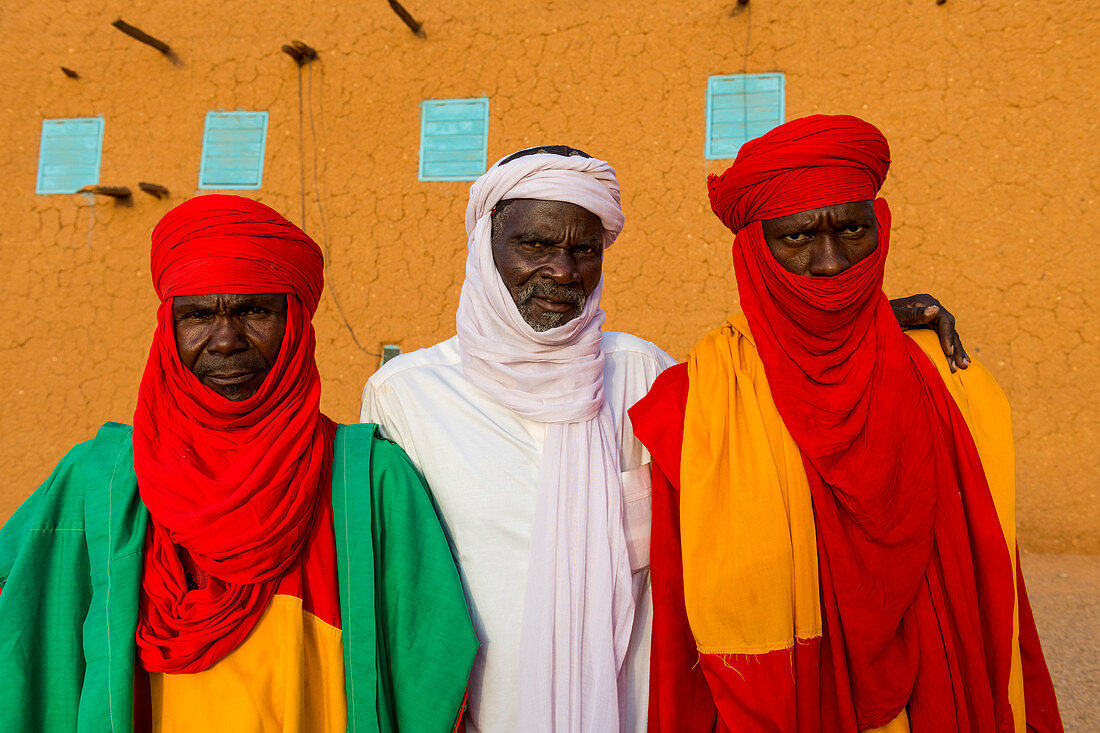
x,y
396,654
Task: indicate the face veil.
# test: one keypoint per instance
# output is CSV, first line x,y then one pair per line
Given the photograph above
x,y
234,485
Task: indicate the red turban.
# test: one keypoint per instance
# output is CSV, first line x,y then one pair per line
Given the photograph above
x,y
804,164
231,244
913,591
232,486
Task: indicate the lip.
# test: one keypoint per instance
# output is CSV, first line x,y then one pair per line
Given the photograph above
x,y
555,306
226,380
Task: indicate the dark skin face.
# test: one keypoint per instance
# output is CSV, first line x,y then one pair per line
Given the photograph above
x,y
823,242
230,342
550,257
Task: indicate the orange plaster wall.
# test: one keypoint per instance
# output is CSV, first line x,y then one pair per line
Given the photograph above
x,y
991,112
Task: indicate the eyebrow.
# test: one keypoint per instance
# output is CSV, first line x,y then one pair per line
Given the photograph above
x,y
803,222
533,231
246,300
795,225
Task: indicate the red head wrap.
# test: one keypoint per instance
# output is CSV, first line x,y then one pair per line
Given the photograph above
x,y
231,244
886,451
804,164
236,485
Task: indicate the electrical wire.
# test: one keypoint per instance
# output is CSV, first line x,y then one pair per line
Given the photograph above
x,y
317,194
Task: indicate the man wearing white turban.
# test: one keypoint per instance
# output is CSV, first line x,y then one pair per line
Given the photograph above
x,y
519,424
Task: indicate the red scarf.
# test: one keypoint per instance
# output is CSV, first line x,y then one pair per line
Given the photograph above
x,y
234,484
917,594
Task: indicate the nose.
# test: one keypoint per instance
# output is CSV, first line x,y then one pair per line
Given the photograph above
x,y
561,267
226,337
828,257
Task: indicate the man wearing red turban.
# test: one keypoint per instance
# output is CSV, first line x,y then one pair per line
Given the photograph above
x,y
833,533
237,561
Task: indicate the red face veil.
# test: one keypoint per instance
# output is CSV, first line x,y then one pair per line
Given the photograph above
x,y
908,603
235,485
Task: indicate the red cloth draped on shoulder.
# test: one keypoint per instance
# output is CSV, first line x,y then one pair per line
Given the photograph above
x,y
236,485
916,580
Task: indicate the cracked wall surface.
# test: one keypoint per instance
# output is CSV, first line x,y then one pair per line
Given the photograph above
x,y
991,110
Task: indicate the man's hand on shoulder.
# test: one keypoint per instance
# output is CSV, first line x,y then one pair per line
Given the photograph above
x,y
924,311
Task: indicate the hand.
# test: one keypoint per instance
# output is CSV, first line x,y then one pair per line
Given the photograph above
x,y
924,311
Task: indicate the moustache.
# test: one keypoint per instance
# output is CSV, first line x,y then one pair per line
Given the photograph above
x,y
568,293
239,363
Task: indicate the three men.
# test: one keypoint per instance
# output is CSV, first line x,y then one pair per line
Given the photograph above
x,y
519,425
218,551
833,534
277,571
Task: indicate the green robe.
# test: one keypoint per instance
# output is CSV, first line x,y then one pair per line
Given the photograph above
x,y
70,568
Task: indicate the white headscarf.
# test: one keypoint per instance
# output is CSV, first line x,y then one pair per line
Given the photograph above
x,y
579,609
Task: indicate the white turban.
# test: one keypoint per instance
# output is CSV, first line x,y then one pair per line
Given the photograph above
x,y
579,608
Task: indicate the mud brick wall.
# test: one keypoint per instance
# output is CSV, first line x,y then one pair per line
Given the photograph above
x,y
991,109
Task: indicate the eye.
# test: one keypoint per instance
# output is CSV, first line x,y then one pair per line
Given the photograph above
x,y
854,230
194,316
587,250
534,245
796,238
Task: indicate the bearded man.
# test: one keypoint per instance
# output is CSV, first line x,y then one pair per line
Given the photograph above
x,y
237,561
834,544
519,425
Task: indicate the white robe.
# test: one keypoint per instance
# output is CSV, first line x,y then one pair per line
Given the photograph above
x,y
481,461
